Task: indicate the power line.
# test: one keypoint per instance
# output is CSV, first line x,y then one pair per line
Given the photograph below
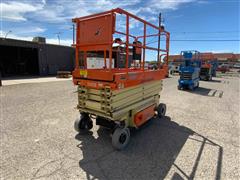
x,y
204,32
205,40
201,40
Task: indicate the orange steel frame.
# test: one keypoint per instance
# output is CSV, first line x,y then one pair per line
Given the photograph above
x,y
206,59
115,78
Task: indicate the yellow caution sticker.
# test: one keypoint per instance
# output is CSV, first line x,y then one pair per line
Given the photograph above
x,y
83,73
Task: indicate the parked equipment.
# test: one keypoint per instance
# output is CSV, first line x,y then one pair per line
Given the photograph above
x,y
120,92
206,72
173,68
189,70
223,68
208,69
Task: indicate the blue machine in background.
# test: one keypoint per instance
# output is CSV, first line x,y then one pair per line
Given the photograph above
x,y
189,70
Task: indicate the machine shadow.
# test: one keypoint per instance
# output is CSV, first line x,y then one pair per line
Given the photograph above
x,y
201,91
150,154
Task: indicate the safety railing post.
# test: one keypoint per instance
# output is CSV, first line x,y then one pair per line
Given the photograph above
x,y
127,40
144,45
77,48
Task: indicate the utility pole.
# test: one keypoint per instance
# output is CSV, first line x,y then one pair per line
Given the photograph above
x,y
73,33
7,33
58,39
58,36
159,20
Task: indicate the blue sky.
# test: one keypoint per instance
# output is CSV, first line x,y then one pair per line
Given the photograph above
x,y
184,19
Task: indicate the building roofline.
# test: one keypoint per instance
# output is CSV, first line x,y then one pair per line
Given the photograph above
x,y
29,42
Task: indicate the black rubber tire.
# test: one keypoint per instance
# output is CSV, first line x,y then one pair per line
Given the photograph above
x,y
89,125
161,110
197,85
83,123
120,138
179,88
77,125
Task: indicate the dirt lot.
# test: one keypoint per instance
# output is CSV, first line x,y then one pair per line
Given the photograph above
x,y
199,137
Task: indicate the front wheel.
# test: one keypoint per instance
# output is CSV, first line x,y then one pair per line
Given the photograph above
x,y
161,110
120,138
83,123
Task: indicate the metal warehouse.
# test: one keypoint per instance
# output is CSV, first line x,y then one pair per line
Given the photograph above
x,y
18,57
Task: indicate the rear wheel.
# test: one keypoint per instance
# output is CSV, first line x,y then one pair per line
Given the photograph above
x,y
83,123
120,138
161,110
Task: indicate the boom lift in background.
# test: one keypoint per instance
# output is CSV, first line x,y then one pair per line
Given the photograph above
x,y
206,71
209,67
119,92
189,70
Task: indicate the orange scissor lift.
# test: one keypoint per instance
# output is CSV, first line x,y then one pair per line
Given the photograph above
x,y
117,95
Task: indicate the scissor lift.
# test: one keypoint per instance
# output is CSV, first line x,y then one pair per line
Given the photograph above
x,y
189,70
117,97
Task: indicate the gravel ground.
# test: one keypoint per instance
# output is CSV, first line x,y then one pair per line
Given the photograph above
x,y
199,137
